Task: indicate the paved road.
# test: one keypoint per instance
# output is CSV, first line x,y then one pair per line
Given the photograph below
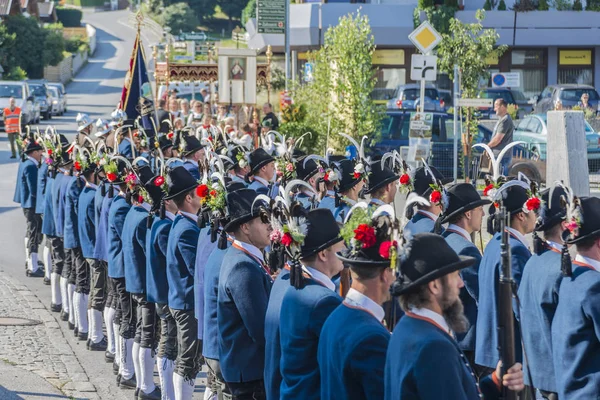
x,y
49,350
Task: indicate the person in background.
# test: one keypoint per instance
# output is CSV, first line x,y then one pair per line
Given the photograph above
x,y
12,126
174,107
162,115
503,134
185,109
197,114
584,103
270,116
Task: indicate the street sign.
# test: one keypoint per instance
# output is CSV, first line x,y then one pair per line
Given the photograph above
x,y
506,79
179,45
425,37
308,72
201,36
424,68
183,58
475,102
420,121
270,16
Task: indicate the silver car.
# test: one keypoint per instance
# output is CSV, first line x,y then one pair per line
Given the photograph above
x,y
63,91
23,99
58,101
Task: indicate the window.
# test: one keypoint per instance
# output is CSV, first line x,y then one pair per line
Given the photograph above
x,y
575,94
7,91
413,94
388,80
575,66
523,124
531,64
535,126
396,126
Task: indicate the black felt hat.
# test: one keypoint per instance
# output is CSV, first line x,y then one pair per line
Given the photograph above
x,y
379,177
179,180
323,232
347,180
259,158
307,170
32,146
232,154
420,265
552,211
590,225
513,199
191,144
422,180
239,203
233,186
370,256
164,142
155,191
462,197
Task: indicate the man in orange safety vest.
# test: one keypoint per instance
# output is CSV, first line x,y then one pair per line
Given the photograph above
x,y
12,125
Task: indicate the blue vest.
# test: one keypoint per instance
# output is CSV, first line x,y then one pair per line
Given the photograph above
x,y
210,334
205,249
486,341
28,185
305,200
134,249
181,260
303,313
575,343
244,289
101,248
328,202
420,223
60,185
87,227
71,230
351,355
469,294
42,178
98,199
48,227
273,346
17,195
125,148
116,220
341,212
192,168
157,287
423,362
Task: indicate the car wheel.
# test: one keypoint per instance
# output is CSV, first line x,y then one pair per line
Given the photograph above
x,y
527,169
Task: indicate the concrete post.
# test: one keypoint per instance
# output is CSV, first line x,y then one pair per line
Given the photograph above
x,y
566,152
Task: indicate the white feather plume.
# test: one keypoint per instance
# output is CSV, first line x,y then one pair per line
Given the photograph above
x,y
496,161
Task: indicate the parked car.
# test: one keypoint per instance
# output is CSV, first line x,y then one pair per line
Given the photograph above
x,y
406,97
23,98
511,96
446,99
62,90
58,101
43,96
569,95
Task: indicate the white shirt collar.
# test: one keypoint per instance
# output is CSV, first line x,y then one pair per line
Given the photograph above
x,y
437,318
429,214
357,299
554,245
33,159
126,138
590,261
250,248
170,215
460,231
330,193
145,206
518,235
319,276
261,180
91,185
377,202
349,201
191,216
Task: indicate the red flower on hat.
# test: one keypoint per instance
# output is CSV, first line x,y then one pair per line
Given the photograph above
x,y
136,134
533,203
356,175
49,152
384,249
111,176
365,234
202,191
159,181
435,196
289,167
140,199
287,239
77,165
170,135
404,179
572,226
487,189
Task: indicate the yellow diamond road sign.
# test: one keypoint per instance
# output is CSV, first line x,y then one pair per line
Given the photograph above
x,y
425,37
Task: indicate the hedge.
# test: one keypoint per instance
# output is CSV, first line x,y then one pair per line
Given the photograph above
x,y
69,17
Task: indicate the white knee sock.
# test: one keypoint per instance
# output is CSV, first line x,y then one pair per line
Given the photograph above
x,y
118,344
146,376
26,248
47,259
55,288
135,353
82,315
64,294
165,375
127,367
109,315
96,326
74,305
32,262
184,388
70,293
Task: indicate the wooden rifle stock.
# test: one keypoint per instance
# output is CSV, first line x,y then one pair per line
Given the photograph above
x,y
344,282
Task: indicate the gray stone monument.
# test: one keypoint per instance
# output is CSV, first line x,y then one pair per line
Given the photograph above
x,y
566,152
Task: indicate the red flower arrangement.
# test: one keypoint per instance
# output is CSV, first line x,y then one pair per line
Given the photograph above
x,y
287,239
77,165
140,199
384,249
487,189
366,235
435,196
111,176
405,179
159,181
202,191
533,203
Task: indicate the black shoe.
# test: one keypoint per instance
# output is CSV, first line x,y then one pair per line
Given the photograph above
x,y
109,357
118,379
71,326
100,346
75,331
127,383
116,370
82,336
46,281
55,307
154,395
13,157
64,316
136,394
37,274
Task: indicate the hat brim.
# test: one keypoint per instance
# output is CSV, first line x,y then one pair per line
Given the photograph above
x,y
382,183
261,164
33,148
464,262
80,128
314,250
350,185
104,132
465,208
233,224
188,189
595,234
550,222
187,153
362,262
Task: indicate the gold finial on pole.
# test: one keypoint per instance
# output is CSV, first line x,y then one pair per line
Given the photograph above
x,y
269,55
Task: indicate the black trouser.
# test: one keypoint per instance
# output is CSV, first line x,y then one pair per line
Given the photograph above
x,y
254,390
167,345
14,144
72,259
82,272
189,354
116,304
145,331
98,297
214,377
34,229
128,318
67,265
58,254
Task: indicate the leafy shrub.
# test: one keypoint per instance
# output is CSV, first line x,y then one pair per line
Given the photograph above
x,y
179,17
502,6
69,17
577,6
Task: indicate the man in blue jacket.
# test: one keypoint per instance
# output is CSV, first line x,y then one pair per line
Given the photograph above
x,y
522,222
39,209
539,290
310,172
426,216
464,214
424,361
262,171
244,287
181,257
348,190
192,152
28,194
382,186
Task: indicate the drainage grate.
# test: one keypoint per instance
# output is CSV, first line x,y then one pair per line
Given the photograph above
x,y
13,321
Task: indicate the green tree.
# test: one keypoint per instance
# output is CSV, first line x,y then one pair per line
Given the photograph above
x,y
28,46
7,42
249,12
15,74
204,9
424,4
233,9
469,46
577,6
543,5
54,45
339,97
179,17
502,6
487,5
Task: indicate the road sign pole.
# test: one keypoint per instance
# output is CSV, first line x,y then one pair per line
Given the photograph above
x,y
287,43
456,133
422,101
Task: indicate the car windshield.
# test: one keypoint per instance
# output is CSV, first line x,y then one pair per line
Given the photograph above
x,y
497,94
7,91
38,90
53,91
518,95
575,94
588,127
413,94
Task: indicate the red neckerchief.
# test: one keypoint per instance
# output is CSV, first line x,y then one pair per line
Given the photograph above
x,y
309,276
584,265
458,233
252,256
425,215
